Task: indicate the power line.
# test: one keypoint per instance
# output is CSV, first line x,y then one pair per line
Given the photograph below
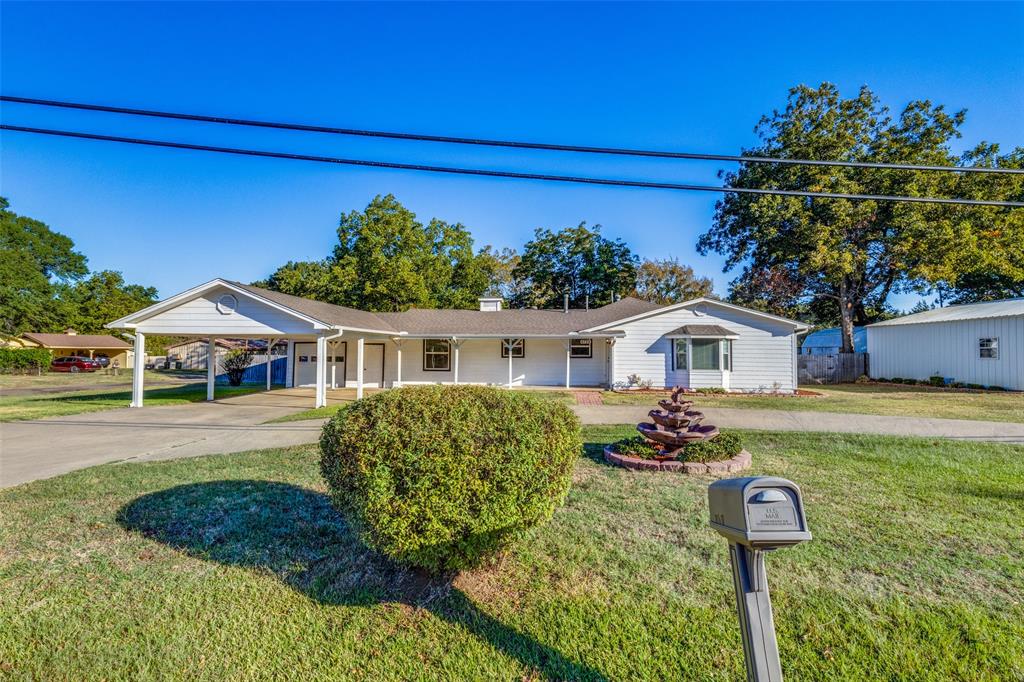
x,y
505,174
495,143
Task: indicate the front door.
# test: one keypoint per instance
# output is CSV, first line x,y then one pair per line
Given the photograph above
x,y
305,364
373,365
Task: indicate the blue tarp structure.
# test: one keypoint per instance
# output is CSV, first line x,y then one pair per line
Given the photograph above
x,y
257,374
829,341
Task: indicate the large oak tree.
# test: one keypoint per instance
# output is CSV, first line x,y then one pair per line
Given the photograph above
x,y
854,254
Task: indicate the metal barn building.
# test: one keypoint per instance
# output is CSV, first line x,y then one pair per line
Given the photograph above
x,y
978,343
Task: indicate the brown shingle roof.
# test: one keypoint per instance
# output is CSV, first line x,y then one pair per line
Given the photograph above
x,y
702,330
86,341
448,322
325,312
513,322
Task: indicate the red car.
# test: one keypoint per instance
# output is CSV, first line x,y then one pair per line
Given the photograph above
x,y
74,364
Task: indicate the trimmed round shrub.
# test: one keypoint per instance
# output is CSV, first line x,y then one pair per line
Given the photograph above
x,y
444,477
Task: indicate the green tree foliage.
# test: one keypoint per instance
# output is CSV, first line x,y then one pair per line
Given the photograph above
x,y
669,281
444,477
34,262
386,260
850,255
500,265
577,261
235,362
101,297
45,285
975,287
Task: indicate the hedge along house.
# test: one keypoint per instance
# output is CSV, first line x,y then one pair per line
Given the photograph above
x,y
698,343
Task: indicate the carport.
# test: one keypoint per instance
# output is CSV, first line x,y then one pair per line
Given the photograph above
x,y
224,309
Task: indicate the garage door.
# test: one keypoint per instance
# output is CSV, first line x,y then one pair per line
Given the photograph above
x,y
305,365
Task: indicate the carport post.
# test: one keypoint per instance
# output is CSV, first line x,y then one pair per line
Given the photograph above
x,y
270,344
211,366
321,371
139,369
359,368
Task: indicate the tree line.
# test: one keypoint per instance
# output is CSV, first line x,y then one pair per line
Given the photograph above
x,y
46,284
386,260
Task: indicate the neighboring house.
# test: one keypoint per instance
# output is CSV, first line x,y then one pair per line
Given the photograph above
x,y
192,353
830,341
978,343
73,343
698,343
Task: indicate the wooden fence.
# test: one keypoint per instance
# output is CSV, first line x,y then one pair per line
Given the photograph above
x,y
832,369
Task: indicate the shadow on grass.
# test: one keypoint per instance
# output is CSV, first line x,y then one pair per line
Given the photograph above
x,y
191,392
297,534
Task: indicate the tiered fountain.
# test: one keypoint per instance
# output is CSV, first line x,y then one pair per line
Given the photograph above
x,y
671,429
675,425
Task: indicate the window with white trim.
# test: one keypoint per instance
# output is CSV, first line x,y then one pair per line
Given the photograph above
x,y
437,355
727,354
518,347
705,353
988,348
679,356
581,348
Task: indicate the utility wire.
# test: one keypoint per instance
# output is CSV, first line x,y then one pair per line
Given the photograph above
x,y
505,174
495,143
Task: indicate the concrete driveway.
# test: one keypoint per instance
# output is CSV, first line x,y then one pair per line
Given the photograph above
x,y
31,450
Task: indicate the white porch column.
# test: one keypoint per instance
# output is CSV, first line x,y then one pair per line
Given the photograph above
x,y
359,367
568,361
288,366
321,372
611,363
139,369
332,346
508,349
270,344
211,366
398,365
455,344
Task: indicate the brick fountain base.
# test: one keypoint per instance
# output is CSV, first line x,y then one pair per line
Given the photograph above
x,y
736,463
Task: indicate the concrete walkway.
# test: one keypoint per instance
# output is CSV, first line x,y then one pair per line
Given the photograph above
x,y
32,450
783,420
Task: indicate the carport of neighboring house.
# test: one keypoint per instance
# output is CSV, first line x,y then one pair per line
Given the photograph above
x,y
333,346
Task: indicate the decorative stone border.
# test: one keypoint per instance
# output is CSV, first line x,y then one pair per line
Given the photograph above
x,y
739,462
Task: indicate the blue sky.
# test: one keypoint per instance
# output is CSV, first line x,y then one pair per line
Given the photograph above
x,y
687,77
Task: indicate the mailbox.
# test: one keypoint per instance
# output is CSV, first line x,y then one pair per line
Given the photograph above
x,y
760,512
757,515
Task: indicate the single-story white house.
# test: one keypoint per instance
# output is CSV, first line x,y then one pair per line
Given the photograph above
x,y
976,343
698,343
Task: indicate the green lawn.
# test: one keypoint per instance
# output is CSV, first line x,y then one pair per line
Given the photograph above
x,y
98,379
13,408
914,401
236,566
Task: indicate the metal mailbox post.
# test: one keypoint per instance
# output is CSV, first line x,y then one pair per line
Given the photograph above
x,y
757,515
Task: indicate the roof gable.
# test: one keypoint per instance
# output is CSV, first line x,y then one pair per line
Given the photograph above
x,y
703,300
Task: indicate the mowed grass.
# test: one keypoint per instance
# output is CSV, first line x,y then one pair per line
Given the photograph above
x,y
13,408
236,566
98,379
882,399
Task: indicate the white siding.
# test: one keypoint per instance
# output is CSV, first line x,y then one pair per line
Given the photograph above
x,y
480,362
200,317
949,349
764,355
